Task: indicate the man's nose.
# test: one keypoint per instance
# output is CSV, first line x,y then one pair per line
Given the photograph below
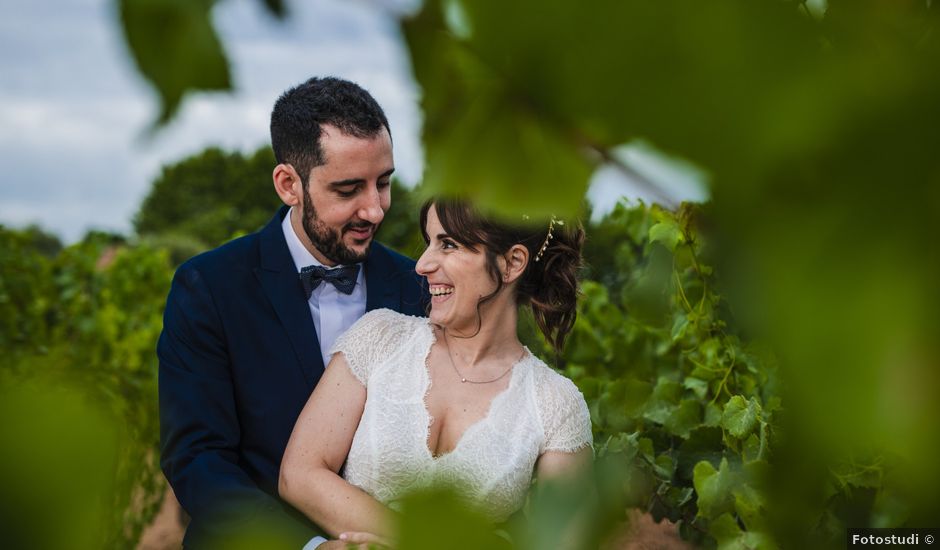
x,y
371,208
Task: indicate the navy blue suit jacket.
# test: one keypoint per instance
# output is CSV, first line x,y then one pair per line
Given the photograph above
x,y
239,356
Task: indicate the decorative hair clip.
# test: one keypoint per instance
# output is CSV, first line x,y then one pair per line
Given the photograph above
x,y
548,238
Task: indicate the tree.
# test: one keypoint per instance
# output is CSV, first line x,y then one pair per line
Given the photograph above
x,y
210,197
214,196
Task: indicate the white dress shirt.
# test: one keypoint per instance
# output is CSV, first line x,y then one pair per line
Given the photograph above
x,y
333,312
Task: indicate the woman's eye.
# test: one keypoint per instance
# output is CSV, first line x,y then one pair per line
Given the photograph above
x,y
448,244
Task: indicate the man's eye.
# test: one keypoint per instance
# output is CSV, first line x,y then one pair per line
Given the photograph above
x,y
383,184
346,194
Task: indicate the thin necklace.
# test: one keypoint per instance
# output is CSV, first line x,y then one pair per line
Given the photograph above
x,y
464,379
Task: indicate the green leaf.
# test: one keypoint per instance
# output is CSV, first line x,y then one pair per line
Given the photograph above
x,y
729,536
433,515
645,449
713,488
663,401
712,415
622,401
725,530
684,418
749,504
679,326
751,450
666,233
524,161
175,47
698,386
740,416
664,467
678,497
276,8
703,443
622,443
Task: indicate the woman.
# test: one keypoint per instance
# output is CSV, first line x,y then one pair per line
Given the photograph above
x,y
407,402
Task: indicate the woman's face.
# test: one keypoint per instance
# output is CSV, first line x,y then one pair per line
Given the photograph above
x,y
457,276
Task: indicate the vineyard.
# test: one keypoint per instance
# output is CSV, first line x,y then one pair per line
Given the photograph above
x,y
686,407
761,369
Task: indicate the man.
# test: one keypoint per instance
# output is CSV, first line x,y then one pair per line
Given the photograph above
x,y
248,326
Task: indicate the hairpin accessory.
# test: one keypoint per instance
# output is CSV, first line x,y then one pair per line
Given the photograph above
x,y
548,238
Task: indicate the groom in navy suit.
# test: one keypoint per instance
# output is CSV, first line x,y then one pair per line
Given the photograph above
x,y
248,326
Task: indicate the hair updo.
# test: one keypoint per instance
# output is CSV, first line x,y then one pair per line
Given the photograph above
x,y
549,286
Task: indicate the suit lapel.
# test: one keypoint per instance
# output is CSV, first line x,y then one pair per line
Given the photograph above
x,y
278,277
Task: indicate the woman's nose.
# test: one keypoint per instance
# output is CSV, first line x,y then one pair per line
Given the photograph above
x,y
425,263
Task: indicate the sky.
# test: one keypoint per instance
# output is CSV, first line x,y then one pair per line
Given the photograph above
x,y
74,113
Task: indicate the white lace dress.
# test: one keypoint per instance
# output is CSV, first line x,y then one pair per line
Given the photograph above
x,y
539,411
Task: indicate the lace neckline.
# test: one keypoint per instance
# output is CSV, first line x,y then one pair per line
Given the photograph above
x,y
477,424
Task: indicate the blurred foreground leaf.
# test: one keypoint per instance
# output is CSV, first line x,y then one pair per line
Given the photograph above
x,y
57,466
175,47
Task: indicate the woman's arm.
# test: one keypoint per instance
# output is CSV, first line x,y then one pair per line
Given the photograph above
x,y
317,448
571,470
562,466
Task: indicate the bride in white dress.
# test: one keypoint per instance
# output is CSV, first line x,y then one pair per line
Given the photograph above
x,y
408,402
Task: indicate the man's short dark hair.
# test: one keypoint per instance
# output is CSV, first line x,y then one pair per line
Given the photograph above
x,y
300,112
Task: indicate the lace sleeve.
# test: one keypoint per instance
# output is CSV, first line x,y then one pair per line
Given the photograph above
x,y
565,416
371,338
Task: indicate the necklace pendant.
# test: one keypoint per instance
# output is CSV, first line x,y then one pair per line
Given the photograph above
x,y
463,379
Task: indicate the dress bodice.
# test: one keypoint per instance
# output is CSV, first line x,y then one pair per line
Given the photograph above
x,y
492,463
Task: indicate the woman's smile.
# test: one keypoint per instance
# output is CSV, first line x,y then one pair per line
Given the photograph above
x,y
440,293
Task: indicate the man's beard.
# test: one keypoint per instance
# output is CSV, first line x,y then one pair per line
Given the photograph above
x,y
330,241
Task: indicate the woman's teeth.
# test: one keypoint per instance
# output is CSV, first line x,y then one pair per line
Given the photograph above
x,y
441,291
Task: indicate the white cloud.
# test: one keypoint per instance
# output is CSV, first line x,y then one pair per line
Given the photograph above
x,y
74,112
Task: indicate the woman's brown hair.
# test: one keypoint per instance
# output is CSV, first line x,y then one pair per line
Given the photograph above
x,y
549,286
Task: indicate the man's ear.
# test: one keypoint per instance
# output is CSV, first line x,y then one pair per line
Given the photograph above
x,y
514,262
287,184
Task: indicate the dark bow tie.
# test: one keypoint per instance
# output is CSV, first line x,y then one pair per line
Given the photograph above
x,y
343,278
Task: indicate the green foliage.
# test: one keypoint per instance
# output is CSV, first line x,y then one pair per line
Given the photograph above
x,y
676,396
87,320
25,295
209,198
214,196
800,120
57,466
175,47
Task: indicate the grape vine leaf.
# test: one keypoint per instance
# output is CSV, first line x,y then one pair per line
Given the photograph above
x,y
740,416
714,488
730,536
175,47
523,160
684,418
276,8
667,233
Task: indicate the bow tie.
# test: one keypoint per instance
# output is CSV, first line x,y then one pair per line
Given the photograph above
x,y
343,278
